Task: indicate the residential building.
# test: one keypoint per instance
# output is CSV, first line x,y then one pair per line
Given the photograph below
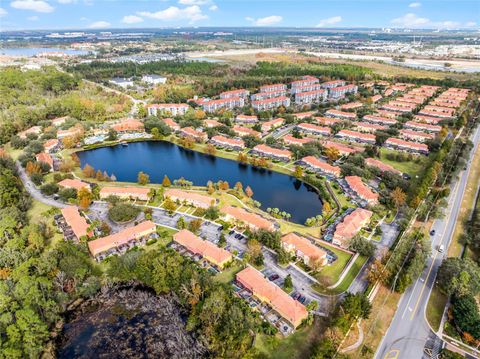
x,y
388,114
356,136
368,127
71,132
51,145
361,190
436,111
379,120
417,136
272,124
304,82
314,96
172,124
212,123
45,158
428,119
305,88
197,246
228,103
290,140
341,114
235,93
302,115
35,130
140,193
422,126
273,87
120,242
174,109
74,183
288,308
376,98
225,142
129,125
76,222
351,105
154,79
314,129
267,95
190,132
267,104
245,131
59,121
341,91
192,198
383,167
327,121
302,248
408,146
251,220
399,106
350,226
245,119
274,153
123,82
324,168
332,84
343,149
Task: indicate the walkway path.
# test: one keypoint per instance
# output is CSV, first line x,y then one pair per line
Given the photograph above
x,y
358,342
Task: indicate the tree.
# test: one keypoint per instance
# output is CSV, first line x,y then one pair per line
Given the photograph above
x,y
249,192
212,213
356,306
288,283
32,168
99,176
326,207
195,225
242,157
332,153
169,205
377,272
181,224
238,187
254,251
84,197
88,171
298,172
166,181
210,149
49,189
398,197
459,276
466,315
112,135
143,178
222,242
363,246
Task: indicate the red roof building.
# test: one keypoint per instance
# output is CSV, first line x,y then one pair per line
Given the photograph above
x,y
323,167
304,249
362,190
275,153
235,93
245,131
272,124
192,198
174,109
190,132
139,193
290,140
77,223
422,126
356,136
225,142
341,114
417,136
246,119
399,144
269,103
45,158
74,183
383,167
314,129
350,226
251,220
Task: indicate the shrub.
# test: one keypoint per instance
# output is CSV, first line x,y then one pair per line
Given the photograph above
x,y
123,212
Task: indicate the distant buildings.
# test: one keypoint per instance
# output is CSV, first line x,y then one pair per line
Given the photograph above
x,y
129,125
356,136
270,103
313,129
272,124
45,158
174,109
154,79
123,82
407,146
341,114
245,131
235,93
245,119
36,130
226,103
309,97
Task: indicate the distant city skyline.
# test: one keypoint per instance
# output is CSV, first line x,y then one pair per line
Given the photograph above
x,y
110,14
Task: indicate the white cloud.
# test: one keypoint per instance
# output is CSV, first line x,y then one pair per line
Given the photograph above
x,y
32,18
33,5
191,13
3,12
213,8
99,25
415,4
67,1
265,21
132,19
413,21
329,21
194,2
470,24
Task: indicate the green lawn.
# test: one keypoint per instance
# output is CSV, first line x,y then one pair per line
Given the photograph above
x,y
435,308
345,283
413,168
296,346
330,274
227,275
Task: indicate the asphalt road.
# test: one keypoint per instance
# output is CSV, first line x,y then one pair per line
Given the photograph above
x,y
409,329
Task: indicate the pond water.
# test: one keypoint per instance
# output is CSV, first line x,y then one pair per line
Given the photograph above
x,y
161,158
33,51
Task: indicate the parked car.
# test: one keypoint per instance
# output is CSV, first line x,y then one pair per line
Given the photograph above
x,y
432,232
273,277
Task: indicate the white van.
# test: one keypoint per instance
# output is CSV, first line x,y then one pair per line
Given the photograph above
x,y
441,248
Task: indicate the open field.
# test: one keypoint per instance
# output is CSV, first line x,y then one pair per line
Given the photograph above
x,y
330,274
435,308
413,168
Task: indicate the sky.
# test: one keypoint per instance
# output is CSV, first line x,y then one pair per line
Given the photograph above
x,y
111,14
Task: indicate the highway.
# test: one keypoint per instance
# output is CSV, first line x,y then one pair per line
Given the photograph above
x,y
409,330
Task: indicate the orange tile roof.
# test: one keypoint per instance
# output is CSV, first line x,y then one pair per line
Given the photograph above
x,y
323,166
397,142
73,183
272,151
351,105
289,308
334,112
427,119
270,100
290,140
423,126
212,123
49,144
190,131
243,131
343,149
372,162
246,117
171,123
229,141
356,135
366,126
78,223
416,134
129,124
45,158
118,239
314,128
302,115
130,191
305,246
191,197
327,121
379,119
352,224
361,189
206,249
266,126
249,218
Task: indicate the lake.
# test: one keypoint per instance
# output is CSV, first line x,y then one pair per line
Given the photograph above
x,y
159,158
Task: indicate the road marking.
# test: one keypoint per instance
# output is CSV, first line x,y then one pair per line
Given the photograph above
x,y
392,354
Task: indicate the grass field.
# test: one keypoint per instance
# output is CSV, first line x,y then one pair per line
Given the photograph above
x,y
330,274
411,167
299,345
227,275
467,205
352,274
435,308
